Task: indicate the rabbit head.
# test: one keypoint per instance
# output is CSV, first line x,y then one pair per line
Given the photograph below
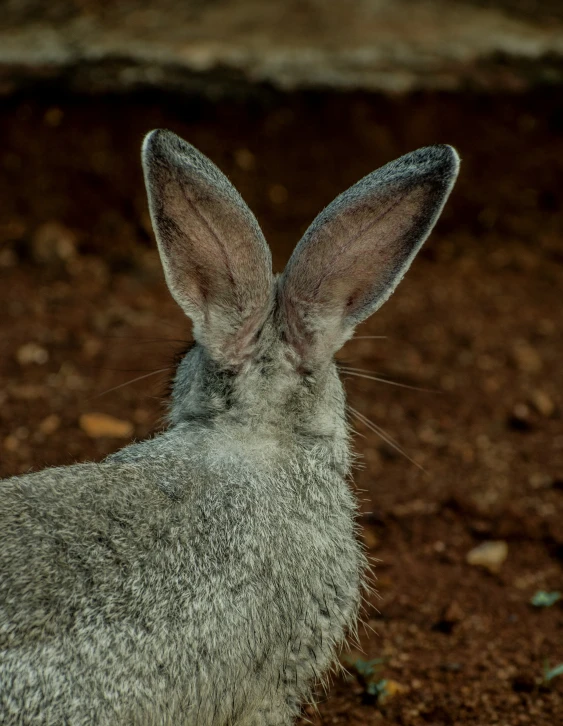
x,y
264,346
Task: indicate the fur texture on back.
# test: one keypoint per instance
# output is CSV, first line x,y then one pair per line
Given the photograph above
x,y
208,576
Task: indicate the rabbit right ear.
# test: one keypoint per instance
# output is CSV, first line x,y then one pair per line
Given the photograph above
x,y
357,250
216,261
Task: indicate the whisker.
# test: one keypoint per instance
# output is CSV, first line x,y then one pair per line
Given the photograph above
x,y
134,380
361,373
367,420
370,337
383,435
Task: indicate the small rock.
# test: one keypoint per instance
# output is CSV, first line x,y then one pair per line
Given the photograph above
x,y
371,540
520,418
97,425
53,242
278,194
526,358
543,404
69,377
390,689
91,347
547,327
11,443
50,424
8,258
12,231
32,353
451,615
53,116
537,480
245,159
490,555
21,433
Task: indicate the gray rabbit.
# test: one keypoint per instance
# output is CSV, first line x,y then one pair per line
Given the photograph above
x,y
209,575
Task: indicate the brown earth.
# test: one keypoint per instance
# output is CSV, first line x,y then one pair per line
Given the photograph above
x,y
478,319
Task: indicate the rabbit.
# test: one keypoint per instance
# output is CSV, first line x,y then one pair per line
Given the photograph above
x,y
208,576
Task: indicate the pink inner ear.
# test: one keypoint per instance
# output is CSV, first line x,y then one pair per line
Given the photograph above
x,y
348,264
347,256
216,260
201,266
352,302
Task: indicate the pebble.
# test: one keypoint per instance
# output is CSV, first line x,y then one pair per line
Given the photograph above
x,y
11,443
8,258
520,418
245,159
391,689
12,230
91,347
98,425
526,358
371,540
32,353
53,242
543,404
490,555
453,613
53,116
278,194
538,480
50,424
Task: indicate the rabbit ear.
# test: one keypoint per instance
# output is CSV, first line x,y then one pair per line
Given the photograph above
x,y
216,261
357,250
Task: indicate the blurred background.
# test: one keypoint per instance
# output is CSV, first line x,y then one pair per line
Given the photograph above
x,y
296,100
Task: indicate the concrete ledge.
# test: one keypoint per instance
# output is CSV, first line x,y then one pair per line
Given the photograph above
x,y
380,45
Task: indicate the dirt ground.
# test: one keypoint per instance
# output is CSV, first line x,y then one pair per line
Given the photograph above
x,y
478,320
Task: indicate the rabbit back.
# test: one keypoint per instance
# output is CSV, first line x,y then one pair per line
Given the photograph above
x,y
186,599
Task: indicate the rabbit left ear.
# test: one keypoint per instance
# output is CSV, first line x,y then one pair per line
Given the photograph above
x,y
216,261
357,250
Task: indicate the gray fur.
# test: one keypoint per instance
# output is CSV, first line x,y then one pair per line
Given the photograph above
x,y
358,249
209,575
215,258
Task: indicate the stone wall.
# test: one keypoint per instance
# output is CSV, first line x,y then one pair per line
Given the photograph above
x,y
219,45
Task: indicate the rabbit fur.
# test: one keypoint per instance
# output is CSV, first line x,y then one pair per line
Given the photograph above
x,y
209,575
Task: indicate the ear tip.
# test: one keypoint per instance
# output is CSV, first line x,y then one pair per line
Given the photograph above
x,y
450,156
437,164
443,158
158,141
163,148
